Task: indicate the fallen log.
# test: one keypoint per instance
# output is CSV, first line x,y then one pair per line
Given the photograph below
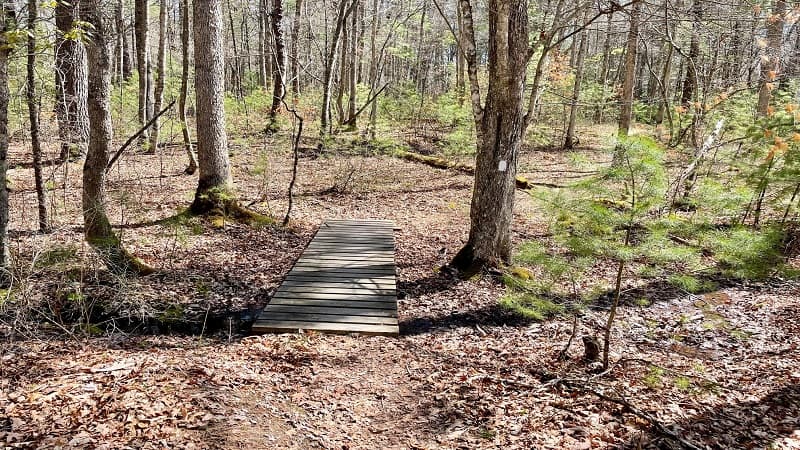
x,y
441,163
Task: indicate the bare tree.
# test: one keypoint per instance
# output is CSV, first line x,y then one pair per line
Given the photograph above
x,y
212,140
97,227
771,62
141,18
295,46
499,125
7,23
345,7
158,97
33,117
187,138
279,73
631,51
71,84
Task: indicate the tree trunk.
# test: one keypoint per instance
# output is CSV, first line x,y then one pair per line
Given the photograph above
x,y
460,64
191,168
690,83
500,126
771,63
97,226
352,75
161,63
212,141
33,116
127,61
631,51
280,60
143,65
571,139
295,46
343,63
373,67
330,62
6,20
71,76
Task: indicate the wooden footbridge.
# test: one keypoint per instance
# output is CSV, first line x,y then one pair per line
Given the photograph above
x,y
344,282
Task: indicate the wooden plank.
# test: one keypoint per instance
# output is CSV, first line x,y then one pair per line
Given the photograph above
x,y
344,303
335,290
352,248
342,256
341,272
339,264
347,284
328,318
291,326
365,296
337,310
335,274
328,279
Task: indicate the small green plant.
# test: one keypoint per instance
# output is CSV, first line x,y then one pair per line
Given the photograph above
x,y
654,378
682,383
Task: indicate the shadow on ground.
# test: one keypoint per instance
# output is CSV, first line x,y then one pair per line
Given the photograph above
x,y
758,424
491,315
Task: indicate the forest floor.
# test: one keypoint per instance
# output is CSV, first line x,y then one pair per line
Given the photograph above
x,y
720,370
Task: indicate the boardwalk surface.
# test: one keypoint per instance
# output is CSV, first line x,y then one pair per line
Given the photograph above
x,y
344,282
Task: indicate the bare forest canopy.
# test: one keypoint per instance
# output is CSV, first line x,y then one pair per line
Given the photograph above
x,y
597,208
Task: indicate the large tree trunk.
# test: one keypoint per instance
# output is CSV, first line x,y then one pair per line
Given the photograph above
x,y
97,226
160,72
6,16
215,182
279,73
33,116
295,47
143,65
71,76
500,126
187,138
631,51
770,68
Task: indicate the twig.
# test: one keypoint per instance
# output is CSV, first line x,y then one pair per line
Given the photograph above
x,y
655,423
137,134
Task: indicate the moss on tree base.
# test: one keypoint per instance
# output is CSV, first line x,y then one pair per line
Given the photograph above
x,y
219,206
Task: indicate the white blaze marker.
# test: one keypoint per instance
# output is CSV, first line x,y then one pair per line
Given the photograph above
x,y
502,166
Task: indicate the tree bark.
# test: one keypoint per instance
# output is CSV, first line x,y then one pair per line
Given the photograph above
x,y
143,65
771,63
330,62
33,116
279,73
295,47
571,139
631,51
191,168
71,79
6,24
122,29
500,126
212,141
352,74
690,83
97,226
158,97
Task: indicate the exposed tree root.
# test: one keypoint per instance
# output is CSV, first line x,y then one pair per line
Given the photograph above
x,y
441,163
219,207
